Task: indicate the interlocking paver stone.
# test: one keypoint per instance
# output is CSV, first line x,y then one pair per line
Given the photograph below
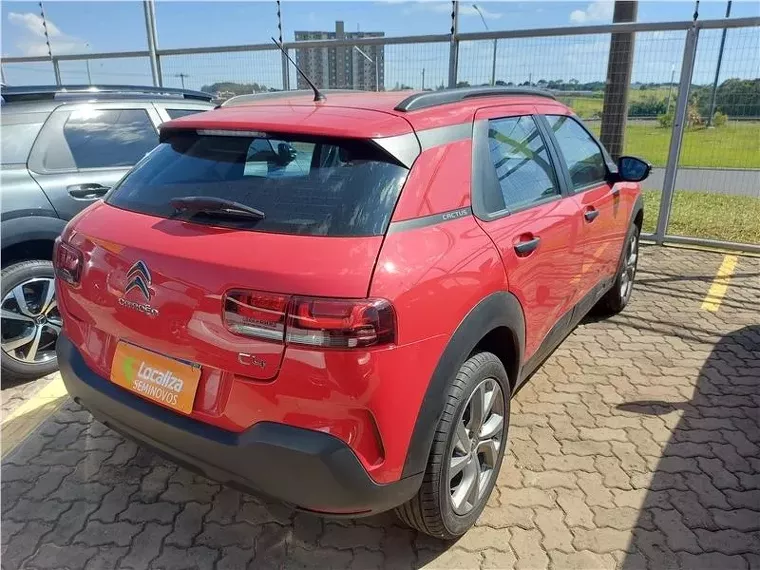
x,y
636,445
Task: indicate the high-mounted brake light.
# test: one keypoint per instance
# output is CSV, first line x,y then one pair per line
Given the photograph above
x,y
311,321
67,261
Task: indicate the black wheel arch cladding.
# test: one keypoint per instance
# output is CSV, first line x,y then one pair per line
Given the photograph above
x,y
500,309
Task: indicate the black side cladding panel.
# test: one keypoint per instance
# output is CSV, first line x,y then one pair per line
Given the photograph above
x,y
500,309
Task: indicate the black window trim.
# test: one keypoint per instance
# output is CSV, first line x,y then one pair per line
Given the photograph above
x,y
484,171
608,162
34,160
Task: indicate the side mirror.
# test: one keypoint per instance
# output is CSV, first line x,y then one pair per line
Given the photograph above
x,y
632,169
286,153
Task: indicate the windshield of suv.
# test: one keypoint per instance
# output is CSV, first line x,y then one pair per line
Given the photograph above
x,y
17,133
304,185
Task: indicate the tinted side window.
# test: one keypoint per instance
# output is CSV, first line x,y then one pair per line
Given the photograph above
x,y
583,156
92,138
177,113
523,168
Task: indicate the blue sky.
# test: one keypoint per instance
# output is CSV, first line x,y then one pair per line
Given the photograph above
x,y
77,27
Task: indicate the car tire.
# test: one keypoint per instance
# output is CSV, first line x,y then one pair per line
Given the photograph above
x,y
37,322
443,508
618,296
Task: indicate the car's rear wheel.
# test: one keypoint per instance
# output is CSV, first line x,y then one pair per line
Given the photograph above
x,y
30,322
467,451
619,294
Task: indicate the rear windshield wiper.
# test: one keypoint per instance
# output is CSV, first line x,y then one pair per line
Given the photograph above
x,y
214,207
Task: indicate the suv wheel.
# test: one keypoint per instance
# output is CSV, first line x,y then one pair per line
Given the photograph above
x,y
30,321
618,296
467,451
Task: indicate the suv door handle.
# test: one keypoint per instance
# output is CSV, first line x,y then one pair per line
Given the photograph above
x,y
591,215
527,246
87,190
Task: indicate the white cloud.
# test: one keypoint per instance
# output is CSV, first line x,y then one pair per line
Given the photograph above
x,y
599,10
445,8
32,41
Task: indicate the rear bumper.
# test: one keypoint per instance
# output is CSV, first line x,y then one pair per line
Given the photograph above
x,y
307,469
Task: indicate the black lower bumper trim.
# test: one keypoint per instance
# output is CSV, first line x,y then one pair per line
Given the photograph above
x,y
310,470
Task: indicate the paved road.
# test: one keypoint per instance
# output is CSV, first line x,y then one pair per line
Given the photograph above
x,y
634,446
721,181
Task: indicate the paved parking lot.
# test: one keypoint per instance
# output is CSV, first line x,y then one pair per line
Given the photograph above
x,y
635,446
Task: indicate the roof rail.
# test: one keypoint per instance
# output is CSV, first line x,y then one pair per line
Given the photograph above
x,y
39,92
428,99
253,97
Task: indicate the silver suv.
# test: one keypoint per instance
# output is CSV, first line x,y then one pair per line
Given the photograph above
x,y
62,149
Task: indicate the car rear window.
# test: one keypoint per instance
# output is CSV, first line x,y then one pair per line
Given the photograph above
x,y
303,185
17,134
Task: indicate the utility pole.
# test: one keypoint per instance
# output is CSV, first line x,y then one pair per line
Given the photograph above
x,y
670,88
182,78
495,45
423,78
717,70
619,67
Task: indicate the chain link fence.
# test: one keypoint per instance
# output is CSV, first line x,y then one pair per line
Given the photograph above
x,y
703,142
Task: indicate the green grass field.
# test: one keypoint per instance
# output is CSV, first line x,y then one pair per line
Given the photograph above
x,y
707,215
735,145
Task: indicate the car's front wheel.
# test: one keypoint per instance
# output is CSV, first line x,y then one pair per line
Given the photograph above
x,y
467,451
30,321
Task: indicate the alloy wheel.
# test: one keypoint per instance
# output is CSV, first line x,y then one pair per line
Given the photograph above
x,y
30,322
478,437
629,267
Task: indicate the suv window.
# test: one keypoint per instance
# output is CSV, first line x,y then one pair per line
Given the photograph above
x,y
304,185
17,135
177,113
523,167
96,138
582,154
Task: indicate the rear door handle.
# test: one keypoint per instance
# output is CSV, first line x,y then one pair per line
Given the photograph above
x,y
87,190
591,215
526,247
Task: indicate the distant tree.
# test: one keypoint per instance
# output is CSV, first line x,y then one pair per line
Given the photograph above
x,y
463,83
734,97
500,83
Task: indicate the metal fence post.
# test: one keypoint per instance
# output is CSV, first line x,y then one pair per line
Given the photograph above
x,y
150,30
57,71
680,119
454,45
285,72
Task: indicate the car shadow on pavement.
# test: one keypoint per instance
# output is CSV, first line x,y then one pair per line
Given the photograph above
x,y
702,507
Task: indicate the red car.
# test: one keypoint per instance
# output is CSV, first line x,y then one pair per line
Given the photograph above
x,y
332,302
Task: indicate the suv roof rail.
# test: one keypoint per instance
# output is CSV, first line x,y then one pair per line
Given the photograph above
x,y
41,92
428,99
251,97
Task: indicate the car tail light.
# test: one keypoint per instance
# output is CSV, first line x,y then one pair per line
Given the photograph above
x,y
68,262
312,321
251,313
335,323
